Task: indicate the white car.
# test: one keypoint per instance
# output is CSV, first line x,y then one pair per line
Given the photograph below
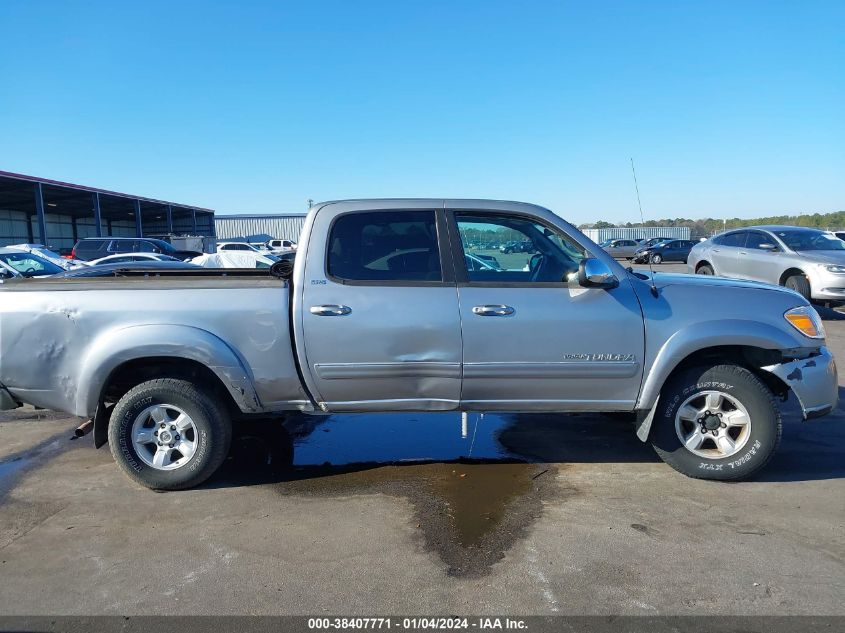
x,y
128,258
235,259
281,246
225,247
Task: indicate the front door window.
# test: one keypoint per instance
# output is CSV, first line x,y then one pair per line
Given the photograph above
x,y
512,249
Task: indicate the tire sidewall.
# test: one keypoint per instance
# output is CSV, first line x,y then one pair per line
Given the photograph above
x,y
765,425
124,451
801,286
656,259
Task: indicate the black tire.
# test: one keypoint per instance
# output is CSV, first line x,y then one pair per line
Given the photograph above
x,y
704,269
657,258
800,284
210,418
739,383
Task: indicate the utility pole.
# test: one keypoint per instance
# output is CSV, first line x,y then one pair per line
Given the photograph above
x,y
310,203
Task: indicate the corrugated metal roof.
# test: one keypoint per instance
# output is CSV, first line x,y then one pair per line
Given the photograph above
x,y
286,227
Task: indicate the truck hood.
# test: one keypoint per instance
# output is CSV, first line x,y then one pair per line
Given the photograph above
x,y
662,280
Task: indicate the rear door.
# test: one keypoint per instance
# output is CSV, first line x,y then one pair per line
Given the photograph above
x,y
533,337
379,310
726,250
758,263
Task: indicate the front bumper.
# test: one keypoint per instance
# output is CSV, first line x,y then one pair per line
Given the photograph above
x,y
826,286
813,380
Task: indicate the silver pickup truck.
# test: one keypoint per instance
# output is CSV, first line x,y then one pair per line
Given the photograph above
x,y
382,312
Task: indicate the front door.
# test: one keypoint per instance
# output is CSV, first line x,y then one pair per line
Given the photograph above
x,y
533,337
379,312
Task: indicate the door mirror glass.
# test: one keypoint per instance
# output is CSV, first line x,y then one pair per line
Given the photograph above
x,y
594,273
767,246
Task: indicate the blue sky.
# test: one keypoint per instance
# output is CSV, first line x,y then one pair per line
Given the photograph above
x,y
728,108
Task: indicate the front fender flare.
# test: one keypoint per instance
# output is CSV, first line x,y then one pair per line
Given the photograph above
x,y
701,335
115,347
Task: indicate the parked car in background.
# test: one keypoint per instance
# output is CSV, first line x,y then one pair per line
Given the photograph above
x,y
384,315
15,262
621,249
523,246
236,258
117,269
98,247
667,251
475,262
808,261
224,247
489,259
281,246
45,253
651,241
133,257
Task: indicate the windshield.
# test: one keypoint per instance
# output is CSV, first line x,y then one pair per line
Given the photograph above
x,y
29,265
810,241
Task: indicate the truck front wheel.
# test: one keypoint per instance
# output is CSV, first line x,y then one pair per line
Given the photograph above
x,y
717,422
167,434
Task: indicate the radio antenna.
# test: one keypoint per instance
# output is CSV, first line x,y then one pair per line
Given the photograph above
x,y
642,219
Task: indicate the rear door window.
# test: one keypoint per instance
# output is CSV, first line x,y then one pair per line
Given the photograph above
x,y
121,246
736,240
385,246
145,247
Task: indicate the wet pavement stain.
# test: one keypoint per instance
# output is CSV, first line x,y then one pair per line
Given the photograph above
x,y
469,510
469,513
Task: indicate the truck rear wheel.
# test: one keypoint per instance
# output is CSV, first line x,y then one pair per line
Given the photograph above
x,y
167,434
717,422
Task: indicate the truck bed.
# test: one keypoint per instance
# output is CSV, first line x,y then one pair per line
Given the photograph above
x,y
57,345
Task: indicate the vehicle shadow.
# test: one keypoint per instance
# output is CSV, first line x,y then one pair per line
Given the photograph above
x,y
809,450
829,314
328,446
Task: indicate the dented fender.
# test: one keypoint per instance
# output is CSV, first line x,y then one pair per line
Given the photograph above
x,y
118,346
813,380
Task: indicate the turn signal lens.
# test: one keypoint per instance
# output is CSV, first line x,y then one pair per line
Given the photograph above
x,y
806,321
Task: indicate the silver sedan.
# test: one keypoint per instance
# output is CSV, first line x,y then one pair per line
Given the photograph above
x,y
809,261
621,249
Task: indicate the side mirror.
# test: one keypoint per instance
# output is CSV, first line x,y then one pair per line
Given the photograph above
x,y
594,273
769,247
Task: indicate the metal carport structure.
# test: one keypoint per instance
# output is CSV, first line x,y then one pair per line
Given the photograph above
x,y
57,214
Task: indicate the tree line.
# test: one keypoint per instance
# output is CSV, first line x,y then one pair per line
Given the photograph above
x,y
709,226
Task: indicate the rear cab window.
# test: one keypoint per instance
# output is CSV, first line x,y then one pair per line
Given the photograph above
x,y
388,246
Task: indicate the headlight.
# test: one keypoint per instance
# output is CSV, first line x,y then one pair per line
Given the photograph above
x,y
805,320
835,269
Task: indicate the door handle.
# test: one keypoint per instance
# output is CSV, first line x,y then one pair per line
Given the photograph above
x,y
743,252
493,310
331,310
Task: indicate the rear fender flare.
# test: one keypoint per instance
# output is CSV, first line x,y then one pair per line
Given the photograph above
x,y
118,346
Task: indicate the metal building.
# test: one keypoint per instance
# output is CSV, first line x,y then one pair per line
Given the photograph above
x,y
259,228
638,233
57,214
